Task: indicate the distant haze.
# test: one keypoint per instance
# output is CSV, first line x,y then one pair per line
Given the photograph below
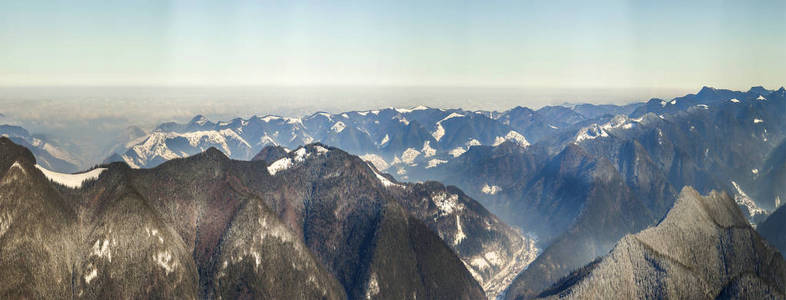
x,y
90,118
83,71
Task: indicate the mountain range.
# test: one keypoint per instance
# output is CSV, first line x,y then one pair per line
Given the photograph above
x,y
573,182
47,153
208,226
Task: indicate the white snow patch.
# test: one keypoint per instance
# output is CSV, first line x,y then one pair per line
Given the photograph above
x,y
409,110
279,165
472,142
267,140
458,151
440,131
92,275
154,232
490,189
229,133
19,166
402,119
385,140
277,231
345,116
409,155
591,132
195,138
320,149
446,203
338,127
493,258
617,122
757,121
734,100
704,106
385,182
451,116
401,171
479,262
102,249
427,150
435,162
512,136
761,98
663,103
742,199
301,154
553,127
755,171
257,258
373,286
376,160
269,118
73,181
165,260
460,236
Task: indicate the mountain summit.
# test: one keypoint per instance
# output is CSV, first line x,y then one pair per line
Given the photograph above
x,y
703,249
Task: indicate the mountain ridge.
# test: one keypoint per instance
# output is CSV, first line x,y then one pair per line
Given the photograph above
x,y
227,204
675,267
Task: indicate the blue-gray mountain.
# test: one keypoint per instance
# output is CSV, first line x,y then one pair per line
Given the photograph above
x,y
47,153
618,174
398,138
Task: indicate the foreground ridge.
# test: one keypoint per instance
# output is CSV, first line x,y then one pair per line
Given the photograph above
x,y
703,249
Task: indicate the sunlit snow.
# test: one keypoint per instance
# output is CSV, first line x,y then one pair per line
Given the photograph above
x,y
73,181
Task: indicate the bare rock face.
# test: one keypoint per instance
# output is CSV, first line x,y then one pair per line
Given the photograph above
x,y
703,249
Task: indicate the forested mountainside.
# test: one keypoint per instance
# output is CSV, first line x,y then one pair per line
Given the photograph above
x,y
210,226
704,249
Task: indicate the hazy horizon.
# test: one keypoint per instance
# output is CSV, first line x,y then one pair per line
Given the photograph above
x,y
87,119
82,73
151,105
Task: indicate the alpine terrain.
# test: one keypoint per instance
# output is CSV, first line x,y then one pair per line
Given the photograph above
x,y
207,226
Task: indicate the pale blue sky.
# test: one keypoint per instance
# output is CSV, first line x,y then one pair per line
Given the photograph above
x,y
545,44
